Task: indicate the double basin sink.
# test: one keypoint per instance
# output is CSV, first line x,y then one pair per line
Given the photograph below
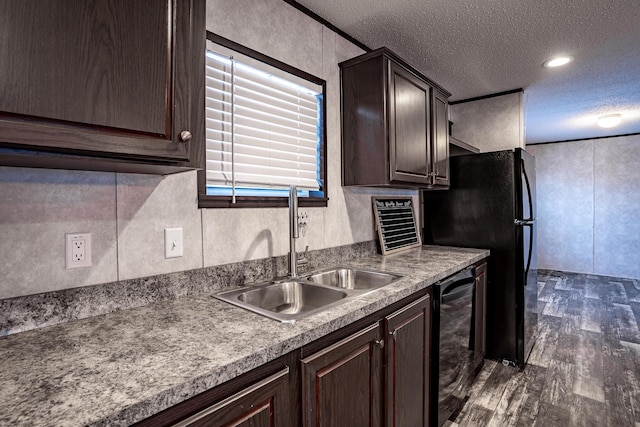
x,y
292,299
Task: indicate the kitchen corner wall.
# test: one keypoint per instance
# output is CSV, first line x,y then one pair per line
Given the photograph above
x,y
490,124
588,196
127,213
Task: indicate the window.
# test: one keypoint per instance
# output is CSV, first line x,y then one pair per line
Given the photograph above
x,y
264,130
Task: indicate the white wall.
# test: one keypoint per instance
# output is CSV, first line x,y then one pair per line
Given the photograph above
x,y
127,213
490,124
589,206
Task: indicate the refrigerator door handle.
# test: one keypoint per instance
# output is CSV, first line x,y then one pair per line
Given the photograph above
x,y
526,180
524,221
526,270
528,222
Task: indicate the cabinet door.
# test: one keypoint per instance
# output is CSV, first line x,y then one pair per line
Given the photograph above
x,y
440,140
118,79
409,131
408,365
261,405
341,385
480,313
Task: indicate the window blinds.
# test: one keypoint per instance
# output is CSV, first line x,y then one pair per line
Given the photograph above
x,y
262,130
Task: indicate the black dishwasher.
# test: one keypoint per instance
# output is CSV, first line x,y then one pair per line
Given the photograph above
x,y
453,343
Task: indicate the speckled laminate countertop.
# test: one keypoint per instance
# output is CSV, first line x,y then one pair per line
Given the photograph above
x,y
122,367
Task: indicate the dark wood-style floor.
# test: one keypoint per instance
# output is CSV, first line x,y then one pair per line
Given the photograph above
x,y
584,369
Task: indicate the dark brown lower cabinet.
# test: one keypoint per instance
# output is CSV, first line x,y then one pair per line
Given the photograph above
x,y
263,397
261,404
408,365
341,385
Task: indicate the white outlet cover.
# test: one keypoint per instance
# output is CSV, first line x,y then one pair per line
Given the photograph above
x,y
77,250
173,246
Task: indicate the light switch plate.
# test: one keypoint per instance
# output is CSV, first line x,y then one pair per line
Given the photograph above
x,y
173,246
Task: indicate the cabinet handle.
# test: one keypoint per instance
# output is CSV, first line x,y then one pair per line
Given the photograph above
x,y
379,343
185,136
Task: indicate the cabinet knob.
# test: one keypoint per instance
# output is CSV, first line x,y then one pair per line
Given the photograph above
x,y
379,343
185,136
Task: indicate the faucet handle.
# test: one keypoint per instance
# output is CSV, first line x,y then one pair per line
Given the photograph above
x,y
302,258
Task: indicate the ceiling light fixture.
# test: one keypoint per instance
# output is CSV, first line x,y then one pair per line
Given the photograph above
x,y
609,120
558,62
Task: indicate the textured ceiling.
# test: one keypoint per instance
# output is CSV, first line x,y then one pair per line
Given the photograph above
x,y
481,47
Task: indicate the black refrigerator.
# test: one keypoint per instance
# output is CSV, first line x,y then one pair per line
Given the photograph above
x,y
491,205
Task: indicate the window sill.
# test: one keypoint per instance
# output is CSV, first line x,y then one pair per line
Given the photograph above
x,y
259,202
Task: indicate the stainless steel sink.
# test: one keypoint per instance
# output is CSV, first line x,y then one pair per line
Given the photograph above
x,y
352,278
292,299
285,301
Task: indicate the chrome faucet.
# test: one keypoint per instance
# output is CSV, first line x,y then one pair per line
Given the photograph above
x,y
293,231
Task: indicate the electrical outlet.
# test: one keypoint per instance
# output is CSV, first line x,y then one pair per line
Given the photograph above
x,y
303,221
78,250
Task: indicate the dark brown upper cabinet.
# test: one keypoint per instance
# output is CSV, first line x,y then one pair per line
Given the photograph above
x,y
440,139
102,85
394,124
408,126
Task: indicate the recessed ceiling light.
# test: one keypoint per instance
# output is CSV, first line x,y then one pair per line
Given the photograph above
x,y
609,121
558,62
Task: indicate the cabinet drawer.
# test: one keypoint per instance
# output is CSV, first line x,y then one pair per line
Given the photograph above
x,y
258,405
